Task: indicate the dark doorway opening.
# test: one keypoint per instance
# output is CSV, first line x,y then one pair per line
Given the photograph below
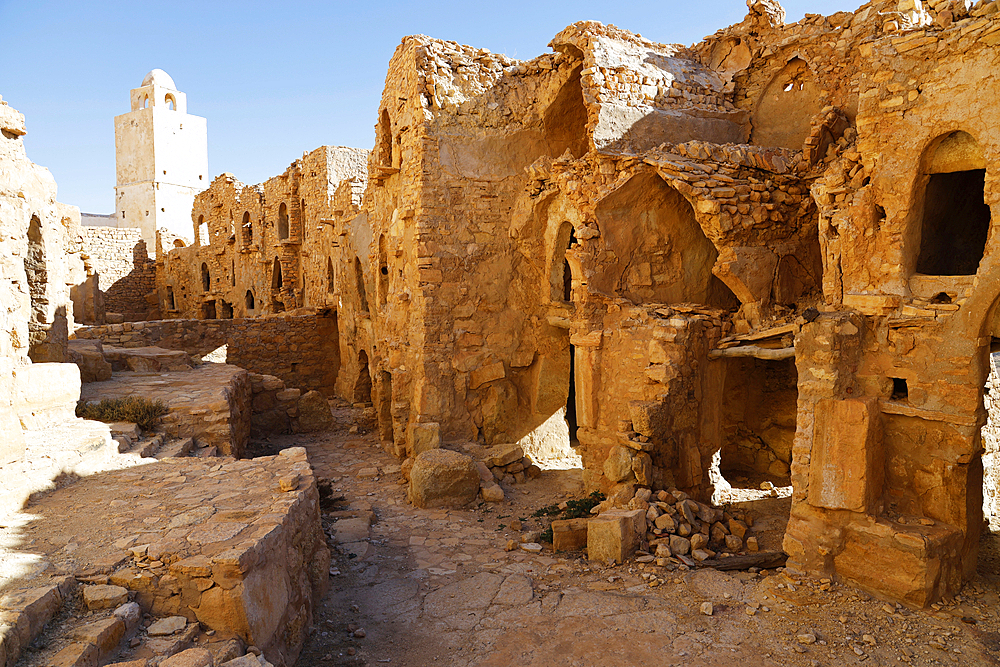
x,y
571,399
363,385
208,311
955,225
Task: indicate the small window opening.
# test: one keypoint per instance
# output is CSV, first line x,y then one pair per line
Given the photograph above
x,y
249,300
899,389
206,277
171,304
247,228
941,297
331,281
169,99
202,231
232,272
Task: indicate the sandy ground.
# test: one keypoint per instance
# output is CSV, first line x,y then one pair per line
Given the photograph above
x,y
438,588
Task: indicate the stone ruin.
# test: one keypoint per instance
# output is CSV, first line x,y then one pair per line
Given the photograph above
x,y
769,252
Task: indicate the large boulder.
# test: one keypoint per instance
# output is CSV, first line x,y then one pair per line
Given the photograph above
x,y
314,412
443,478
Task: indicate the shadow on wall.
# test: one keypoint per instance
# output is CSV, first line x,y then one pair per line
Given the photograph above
x,y
134,295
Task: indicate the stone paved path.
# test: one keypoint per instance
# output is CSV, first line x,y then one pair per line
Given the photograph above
x,y
439,588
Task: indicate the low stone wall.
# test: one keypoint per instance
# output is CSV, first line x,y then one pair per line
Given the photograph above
x,y
278,409
301,350
210,403
234,545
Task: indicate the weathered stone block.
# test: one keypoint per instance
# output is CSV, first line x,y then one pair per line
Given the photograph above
x,y
847,465
615,535
314,412
618,465
443,478
424,436
103,596
502,455
488,373
569,534
649,418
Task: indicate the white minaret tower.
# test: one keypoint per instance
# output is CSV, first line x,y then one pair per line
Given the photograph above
x,y
162,158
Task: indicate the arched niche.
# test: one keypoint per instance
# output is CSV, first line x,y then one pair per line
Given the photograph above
x,y
654,250
206,278
282,222
383,271
384,136
363,385
954,220
786,107
359,279
249,301
276,280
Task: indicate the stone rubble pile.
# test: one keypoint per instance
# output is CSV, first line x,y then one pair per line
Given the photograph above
x,y
665,527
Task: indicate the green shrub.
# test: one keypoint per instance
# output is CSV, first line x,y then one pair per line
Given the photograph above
x,y
134,409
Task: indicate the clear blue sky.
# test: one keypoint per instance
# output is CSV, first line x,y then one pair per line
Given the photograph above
x,y
274,79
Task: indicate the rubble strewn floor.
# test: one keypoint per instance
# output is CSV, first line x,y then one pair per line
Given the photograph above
x,y
422,587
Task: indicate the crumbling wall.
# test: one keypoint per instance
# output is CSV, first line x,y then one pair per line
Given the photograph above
x,y
118,256
261,249
302,350
39,264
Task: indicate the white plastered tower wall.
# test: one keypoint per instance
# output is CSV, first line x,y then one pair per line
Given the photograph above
x,y
161,154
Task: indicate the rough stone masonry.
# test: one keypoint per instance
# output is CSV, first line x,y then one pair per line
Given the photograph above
x,y
769,251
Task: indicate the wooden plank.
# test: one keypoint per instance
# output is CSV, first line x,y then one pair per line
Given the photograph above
x,y
765,560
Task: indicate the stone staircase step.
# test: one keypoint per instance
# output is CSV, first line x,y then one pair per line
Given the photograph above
x,y
175,448
148,446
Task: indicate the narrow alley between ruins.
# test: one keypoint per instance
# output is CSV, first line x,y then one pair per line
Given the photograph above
x,y
442,587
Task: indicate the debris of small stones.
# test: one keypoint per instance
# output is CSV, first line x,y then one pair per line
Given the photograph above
x,y
511,545
532,547
806,638
367,473
253,649
289,483
351,650
707,609
515,524
360,633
